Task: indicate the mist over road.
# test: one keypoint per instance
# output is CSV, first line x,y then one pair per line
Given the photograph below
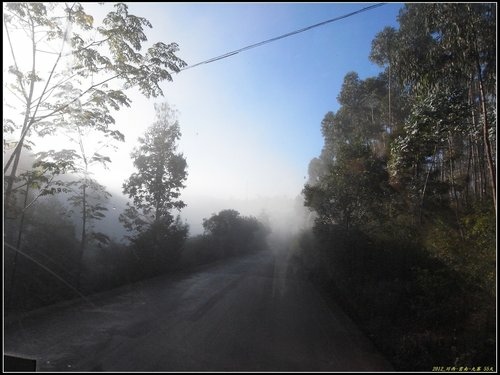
x,y
237,315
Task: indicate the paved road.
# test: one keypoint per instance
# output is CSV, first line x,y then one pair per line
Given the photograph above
x,y
237,315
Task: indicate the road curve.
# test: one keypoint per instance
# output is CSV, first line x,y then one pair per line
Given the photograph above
x,y
237,315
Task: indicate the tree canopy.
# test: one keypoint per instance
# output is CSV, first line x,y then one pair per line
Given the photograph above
x,y
77,72
404,189
155,189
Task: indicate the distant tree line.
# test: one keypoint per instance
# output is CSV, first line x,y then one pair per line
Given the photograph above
x,y
226,234
50,268
404,190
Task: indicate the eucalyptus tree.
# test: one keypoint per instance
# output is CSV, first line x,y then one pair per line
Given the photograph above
x,y
347,182
72,60
467,31
382,53
451,49
352,190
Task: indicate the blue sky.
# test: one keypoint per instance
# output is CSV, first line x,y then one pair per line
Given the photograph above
x,y
250,123
265,102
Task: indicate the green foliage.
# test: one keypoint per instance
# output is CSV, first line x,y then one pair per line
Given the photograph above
x,y
473,255
154,190
42,176
89,197
161,172
158,248
112,265
360,118
49,240
197,251
349,192
404,237
415,308
384,46
51,243
230,234
105,61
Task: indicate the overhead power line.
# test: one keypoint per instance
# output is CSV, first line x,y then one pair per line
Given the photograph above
x,y
228,54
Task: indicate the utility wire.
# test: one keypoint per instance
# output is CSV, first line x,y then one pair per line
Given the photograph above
x,y
283,36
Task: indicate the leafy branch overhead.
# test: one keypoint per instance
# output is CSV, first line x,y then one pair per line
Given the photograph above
x,y
89,69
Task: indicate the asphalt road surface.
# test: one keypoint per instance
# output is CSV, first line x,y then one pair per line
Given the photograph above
x,y
238,315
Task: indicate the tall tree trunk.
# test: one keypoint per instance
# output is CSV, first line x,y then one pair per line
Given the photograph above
x,y
83,241
486,138
454,188
468,172
390,114
480,170
425,184
29,117
18,246
16,155
476,172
